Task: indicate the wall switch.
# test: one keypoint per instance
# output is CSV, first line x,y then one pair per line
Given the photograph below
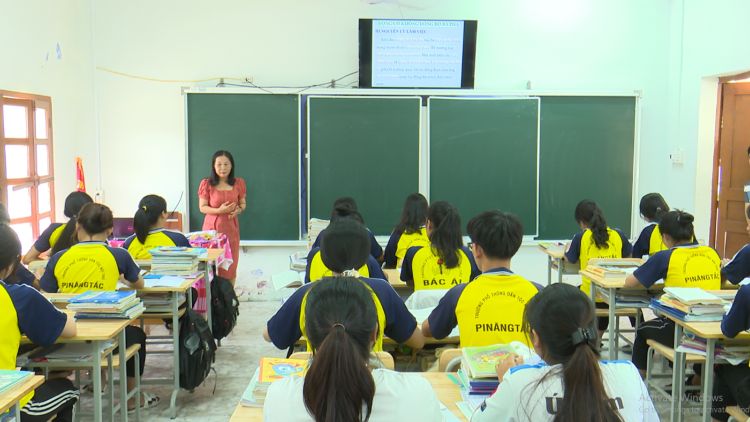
x,y
99,196
677,156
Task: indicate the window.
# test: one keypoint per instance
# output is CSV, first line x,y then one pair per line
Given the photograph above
x,y
27,185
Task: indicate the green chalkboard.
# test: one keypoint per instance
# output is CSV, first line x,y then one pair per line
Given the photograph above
x,y
365,148
484,155
262,133
587,148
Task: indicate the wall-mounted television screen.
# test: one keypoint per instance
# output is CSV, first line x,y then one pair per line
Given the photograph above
x,y
402,53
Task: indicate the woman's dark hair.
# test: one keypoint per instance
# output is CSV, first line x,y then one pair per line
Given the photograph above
x,y
95,218
345,245
150,209
4,217
214,179
678,225
446,235
73,205
653,206
347,201
500,234
346,212
590,214
414,214
340,317
10,252
560,314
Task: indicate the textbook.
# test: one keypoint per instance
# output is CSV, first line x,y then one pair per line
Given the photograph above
x,y
274,369
103,297
130,313
175,260
104,306
176,251
297,263
10,380
479,362
697,309
551,245
288,278
693,295
660,306
248,398
606,272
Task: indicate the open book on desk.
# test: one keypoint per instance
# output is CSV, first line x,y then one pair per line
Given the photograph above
x,y
288,278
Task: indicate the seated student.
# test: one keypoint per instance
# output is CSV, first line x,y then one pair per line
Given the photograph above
x,y
341,385
488,310
573,385
22,274
375,249
595,241
27,312
102,268
738,268
58,232
446,262
316,269
410,230
653,207
684,264
149,223
345,247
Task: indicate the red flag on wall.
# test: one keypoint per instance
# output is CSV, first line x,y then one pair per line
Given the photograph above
x,y
80,180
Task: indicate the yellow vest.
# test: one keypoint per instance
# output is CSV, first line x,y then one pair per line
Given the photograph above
x,y
698,266
406,241
490,309
11,336
656,244
319,270
430,273
86,267
378,346
589,250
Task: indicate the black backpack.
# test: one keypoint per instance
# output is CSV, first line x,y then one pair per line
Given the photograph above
x,y
197,349
225,308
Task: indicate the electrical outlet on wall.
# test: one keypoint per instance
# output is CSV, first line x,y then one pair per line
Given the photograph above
x,y
99,196
677,156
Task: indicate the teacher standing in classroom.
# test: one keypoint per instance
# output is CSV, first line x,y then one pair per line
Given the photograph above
x,y
222,199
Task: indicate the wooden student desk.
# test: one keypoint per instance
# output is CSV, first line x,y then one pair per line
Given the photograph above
x,y
556,261
447,392
96,332
13,399
394,278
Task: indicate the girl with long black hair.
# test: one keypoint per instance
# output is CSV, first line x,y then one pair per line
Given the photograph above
x,y
410,230
653,207
149,223
59,236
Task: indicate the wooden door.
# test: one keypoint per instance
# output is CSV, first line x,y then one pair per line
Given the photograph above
x,y
733,169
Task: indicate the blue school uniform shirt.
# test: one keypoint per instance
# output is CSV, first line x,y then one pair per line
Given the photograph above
x,y
49,237
430,273
686,265
315,265
375,249
737,319
739,267
24,276
400,242
284,327
88,266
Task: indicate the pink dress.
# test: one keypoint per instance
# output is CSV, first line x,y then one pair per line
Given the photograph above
x,y
221,222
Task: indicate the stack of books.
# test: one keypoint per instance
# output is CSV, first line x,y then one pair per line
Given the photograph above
x,y
298,261
110,305
10,380
159,302
270,370
734,354
314,227
690,304
174,260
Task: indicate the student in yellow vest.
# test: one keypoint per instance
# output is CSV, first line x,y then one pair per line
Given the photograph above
x,y
149,223
344,248
58,232
91,264
446,262
26,312
375,249
653,207
684,264
489,310
316,269
595,241
410,230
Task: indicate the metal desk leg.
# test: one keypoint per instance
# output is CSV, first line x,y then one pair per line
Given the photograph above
x,y
97,373
678,377
549,270
176,354
593,292
124,379
611,328
111,384
208,296
708,379
559,270
17,410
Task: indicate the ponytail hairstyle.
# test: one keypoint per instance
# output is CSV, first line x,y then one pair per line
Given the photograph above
x,y
214,179
678,225
10,252
150,209
589,213
563,319
340,319
414,214
95,219
446,235
73,204
653,207
345,245
346,211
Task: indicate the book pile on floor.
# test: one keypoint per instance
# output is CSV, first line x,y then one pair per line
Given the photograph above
x,y
298,261
270,370
690,304
314,227
175,260
110,305
734,354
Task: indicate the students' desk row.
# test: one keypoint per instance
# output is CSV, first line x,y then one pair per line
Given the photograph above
x,y
447,392
711,331
13,399
96,332
394,278
556,261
